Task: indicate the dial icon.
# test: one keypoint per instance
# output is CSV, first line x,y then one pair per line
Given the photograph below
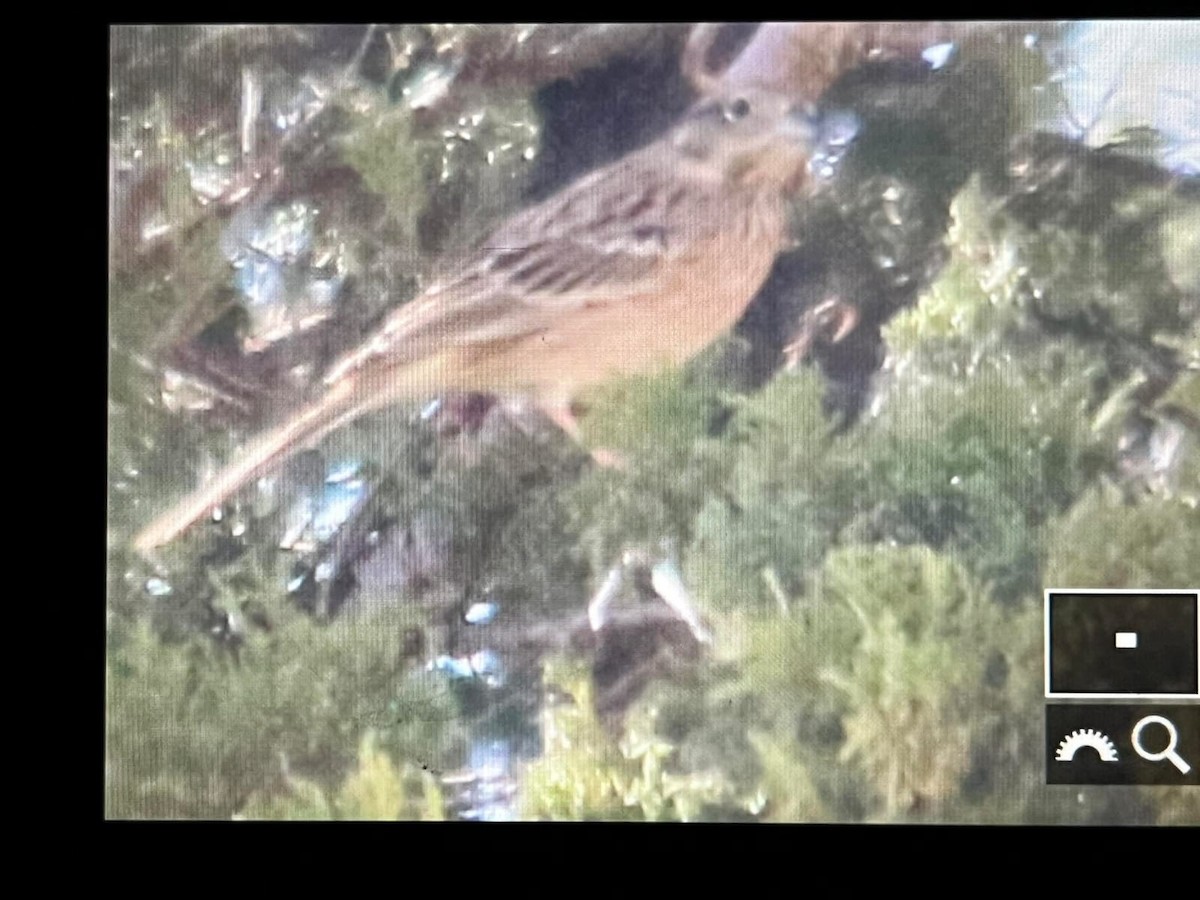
x,y
1086,737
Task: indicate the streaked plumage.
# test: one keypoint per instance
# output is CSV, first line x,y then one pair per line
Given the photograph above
x,y
636,266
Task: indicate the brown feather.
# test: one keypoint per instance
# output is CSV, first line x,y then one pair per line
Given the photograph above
x,y
636,266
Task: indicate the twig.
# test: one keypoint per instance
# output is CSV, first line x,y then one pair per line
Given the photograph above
x,y
775,586
352,69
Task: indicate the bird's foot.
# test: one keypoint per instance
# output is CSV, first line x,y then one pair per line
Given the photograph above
x,y
829,321
565,417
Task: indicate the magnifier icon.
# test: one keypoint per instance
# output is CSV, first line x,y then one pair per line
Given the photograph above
x,y
1169,752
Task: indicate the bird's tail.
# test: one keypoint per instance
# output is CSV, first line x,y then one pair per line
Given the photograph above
x,y
302,429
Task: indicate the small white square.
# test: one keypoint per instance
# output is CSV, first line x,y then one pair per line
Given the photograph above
x,y
1126,640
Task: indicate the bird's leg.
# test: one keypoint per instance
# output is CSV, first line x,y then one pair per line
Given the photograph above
x,y
830,320
563,415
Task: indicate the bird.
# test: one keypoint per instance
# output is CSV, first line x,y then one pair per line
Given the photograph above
x,y
633,268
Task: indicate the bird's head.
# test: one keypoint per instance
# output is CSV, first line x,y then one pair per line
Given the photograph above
x,y
751,137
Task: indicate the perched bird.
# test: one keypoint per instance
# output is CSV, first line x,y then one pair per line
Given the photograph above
x,y
636,266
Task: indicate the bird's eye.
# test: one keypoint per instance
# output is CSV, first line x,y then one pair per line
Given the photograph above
x,y
738,109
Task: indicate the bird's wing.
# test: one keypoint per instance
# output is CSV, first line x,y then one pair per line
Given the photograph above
x,y
605,239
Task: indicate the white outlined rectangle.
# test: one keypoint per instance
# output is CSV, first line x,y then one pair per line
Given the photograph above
x,y
1195,695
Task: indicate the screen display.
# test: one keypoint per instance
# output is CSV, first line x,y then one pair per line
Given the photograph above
x,y
795,422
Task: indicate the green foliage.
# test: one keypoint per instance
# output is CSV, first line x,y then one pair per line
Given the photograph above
x,y
300,801
538,563
1180,232
1115,272
788,793
160,303
194,731
873,590
388,158
1094,263
914,682
986,421
972,442
1184,393
580,773
1180,412
375,791
658,425
770,522
443,188
955,309
975,456
888,692
776,693
585,773
1105,541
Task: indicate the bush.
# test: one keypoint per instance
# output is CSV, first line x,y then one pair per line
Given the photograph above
x,y
194,730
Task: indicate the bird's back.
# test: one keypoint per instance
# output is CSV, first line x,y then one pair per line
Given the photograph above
x,y
580,285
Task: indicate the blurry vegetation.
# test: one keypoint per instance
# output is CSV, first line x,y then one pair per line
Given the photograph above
x,y
375,791
196,728
873,583
1105,542
584,774
660,428
383,150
